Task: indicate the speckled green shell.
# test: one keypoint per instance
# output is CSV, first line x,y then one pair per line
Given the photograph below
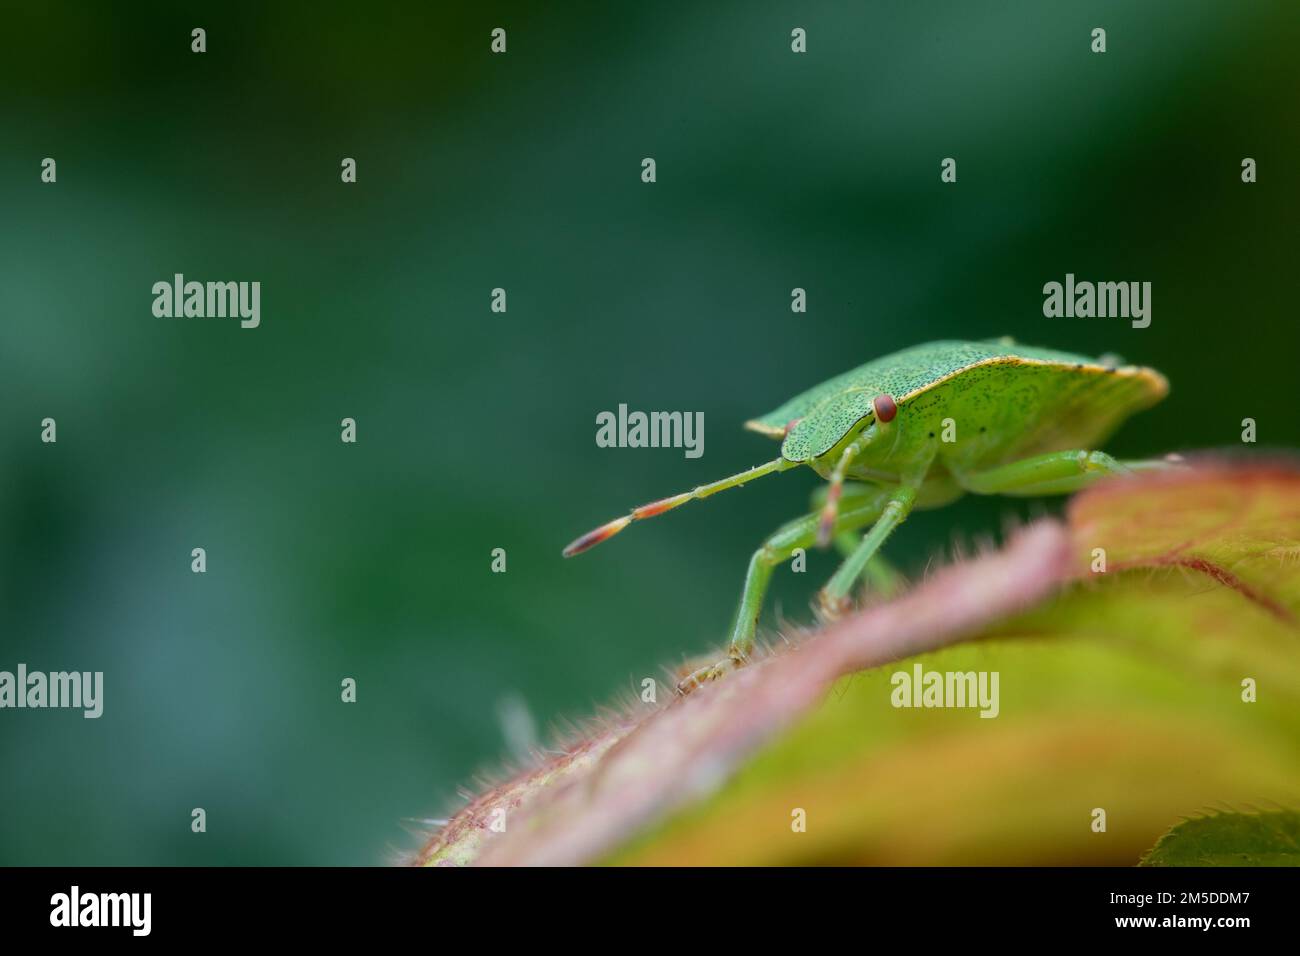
x,y
1052,399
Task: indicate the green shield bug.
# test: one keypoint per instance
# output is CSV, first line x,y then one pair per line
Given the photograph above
x,y
917,429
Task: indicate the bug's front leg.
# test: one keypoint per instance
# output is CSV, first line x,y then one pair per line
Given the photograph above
x,y
834,597
861,505
878,575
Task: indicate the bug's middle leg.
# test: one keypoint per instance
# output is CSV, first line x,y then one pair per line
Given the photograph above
x,y
860,506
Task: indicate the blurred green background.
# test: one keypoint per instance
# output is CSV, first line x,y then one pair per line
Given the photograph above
x,y
476,430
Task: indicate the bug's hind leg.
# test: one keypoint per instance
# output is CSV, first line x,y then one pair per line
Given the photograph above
x,y
860,506
1056,473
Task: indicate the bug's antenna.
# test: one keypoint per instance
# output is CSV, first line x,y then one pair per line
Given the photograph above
x,y
608,530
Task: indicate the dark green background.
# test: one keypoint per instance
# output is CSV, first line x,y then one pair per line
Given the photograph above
x,y
476,429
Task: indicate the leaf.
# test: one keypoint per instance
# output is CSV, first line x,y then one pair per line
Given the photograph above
x,y
1231,839
1118,692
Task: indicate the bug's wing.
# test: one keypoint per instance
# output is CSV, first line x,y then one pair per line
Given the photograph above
x,y
1076,406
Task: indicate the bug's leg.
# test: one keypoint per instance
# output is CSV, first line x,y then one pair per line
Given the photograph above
x,y
1055,473
879,573
859,507
898,504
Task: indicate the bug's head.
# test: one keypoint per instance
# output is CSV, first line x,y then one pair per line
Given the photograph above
x,y
874,422
859,439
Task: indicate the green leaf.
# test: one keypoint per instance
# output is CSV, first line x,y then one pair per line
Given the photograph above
x,y
1231,839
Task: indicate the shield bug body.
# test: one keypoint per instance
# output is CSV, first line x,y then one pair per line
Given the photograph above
x,y
917,429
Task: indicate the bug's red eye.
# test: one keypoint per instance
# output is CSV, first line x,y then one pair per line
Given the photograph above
x,y
885,408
